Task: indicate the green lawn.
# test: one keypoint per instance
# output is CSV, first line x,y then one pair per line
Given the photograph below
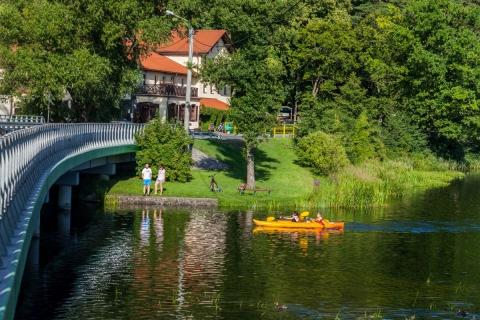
x,y
275,169
372,183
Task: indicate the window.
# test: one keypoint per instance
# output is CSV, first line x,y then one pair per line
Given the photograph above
x,y
204,88
225,90
155,79
211,89
163,79
172,79
144,78
182,82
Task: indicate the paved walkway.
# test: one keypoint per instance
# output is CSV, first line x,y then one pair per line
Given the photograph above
x,y
203,161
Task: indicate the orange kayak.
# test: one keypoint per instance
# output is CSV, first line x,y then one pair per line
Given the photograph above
x,y
300,225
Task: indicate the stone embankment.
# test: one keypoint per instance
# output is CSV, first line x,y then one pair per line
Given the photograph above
x,y
127,201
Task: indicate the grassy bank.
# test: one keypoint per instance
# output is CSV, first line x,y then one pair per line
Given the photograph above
x,y
371,184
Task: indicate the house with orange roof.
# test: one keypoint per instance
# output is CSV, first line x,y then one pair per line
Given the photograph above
x,y
162,92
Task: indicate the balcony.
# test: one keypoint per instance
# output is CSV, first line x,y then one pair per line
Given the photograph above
x,y
166,90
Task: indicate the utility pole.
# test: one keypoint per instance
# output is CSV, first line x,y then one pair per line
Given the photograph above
x,y
188,94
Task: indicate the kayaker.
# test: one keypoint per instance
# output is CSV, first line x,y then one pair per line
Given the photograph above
x,y
319,219
295,217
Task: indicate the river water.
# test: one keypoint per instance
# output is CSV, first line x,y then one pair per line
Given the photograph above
x,y
417,257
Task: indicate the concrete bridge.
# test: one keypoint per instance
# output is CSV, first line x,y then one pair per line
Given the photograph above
x,y
31,162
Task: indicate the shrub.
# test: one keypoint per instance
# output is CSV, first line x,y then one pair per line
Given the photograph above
x,y
209,115
167,144
402,137
363,142
322,152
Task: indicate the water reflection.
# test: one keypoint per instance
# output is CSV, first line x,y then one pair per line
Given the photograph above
x,y
151,227
412,258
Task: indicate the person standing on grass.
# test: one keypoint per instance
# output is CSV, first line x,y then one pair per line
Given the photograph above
x,y
147,179
160,179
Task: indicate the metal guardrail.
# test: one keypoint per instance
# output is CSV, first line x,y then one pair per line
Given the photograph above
x,y
27,154
22,119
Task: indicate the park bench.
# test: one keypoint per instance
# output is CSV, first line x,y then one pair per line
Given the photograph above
x,y
243,188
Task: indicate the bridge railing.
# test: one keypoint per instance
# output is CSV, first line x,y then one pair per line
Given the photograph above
x,y
26,155
22,119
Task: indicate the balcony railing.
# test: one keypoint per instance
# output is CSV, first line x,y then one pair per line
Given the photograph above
x,y
166,90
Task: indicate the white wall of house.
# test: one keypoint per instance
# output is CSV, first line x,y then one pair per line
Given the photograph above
x,y
205,90
161,101
6,106
6,102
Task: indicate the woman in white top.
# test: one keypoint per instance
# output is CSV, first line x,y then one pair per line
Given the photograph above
x,y
160,179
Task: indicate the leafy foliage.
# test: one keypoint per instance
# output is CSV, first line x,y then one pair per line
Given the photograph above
x,y
322,152
166,144
48,48
210,115
409,70
363,142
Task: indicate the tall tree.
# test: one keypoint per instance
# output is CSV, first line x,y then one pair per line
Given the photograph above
x,y
257,97
87,48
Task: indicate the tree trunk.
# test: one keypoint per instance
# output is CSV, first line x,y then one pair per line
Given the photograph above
x,y
250,167
316,86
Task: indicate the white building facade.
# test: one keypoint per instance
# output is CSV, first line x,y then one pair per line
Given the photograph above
x,y
162,93
7,103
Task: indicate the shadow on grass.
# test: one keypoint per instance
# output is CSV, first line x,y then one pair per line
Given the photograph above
x,y
231,153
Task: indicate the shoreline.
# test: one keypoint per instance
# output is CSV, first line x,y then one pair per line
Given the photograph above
x,y
127,201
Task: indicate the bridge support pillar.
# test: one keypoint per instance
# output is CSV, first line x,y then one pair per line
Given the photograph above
x,y
47,197
66,182
64,222
65,197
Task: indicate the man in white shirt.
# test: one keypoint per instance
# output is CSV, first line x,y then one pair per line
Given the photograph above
x,y
147,179
160,179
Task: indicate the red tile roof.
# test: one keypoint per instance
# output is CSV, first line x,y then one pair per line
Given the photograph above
x,y
214,103
156,62
204,41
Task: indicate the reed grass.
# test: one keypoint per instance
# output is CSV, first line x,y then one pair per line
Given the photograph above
x,y
375,183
